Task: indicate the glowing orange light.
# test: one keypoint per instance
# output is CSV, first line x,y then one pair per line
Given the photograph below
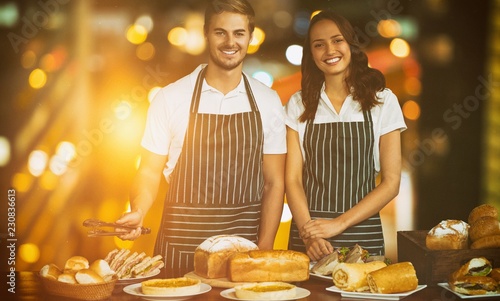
x,y
411,110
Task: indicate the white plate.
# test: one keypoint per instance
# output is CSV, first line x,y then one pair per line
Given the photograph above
x,y
135,290
447,287
368,295
136,279
300,293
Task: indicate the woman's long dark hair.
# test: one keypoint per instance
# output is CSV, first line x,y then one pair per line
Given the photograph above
x,y
365,81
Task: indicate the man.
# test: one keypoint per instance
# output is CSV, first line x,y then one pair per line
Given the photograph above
x,y
219,138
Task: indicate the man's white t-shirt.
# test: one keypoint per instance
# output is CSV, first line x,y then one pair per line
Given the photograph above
x,y
168,115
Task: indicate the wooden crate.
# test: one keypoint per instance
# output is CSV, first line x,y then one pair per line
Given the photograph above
x,y
435,266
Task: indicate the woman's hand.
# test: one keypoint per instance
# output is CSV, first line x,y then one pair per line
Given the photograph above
x,y
130,219
317,248
321,228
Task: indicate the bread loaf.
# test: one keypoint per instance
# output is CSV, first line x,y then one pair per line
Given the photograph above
x,y
448,235
484,226
487,242
210,257
268,265
480,211
395,278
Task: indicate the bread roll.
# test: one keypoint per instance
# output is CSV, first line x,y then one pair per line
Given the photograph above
x,y
395,278
101,267
76,263
88,276
265,291
67,277
488,242
480,211
448,235
268,266
210,257
484,226
495,274
50,271
351,277
171,286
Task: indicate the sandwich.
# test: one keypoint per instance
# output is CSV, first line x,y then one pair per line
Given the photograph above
x,y
327,264
478,266
131,265
474,285
171,287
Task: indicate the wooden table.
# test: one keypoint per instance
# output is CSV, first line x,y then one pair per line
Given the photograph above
x,y
28,288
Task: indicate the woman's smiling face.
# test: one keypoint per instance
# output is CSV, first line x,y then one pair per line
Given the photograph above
x,y
330,50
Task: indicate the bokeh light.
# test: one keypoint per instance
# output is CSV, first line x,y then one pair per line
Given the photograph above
x,y
4,151
282,19
22,182
400,47
177,36
264,77
29,252
145,51
294,54
28,59
411,110
136,34
389,28
37,78
146,22
37,162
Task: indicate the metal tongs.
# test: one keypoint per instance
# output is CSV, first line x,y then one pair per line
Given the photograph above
x,y
95,224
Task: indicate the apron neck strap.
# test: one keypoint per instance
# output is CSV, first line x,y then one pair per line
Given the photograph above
x,y
195,99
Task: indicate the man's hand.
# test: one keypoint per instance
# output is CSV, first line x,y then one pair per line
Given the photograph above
x,y
130,219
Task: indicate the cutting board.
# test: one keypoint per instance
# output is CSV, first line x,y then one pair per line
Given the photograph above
x,y
217,282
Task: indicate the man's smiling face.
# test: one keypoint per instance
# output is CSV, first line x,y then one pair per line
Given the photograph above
x,y
228,37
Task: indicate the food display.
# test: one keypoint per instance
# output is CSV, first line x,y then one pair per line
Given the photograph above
x,y
395,278
474,278
448,235
129,265
171,286
351,277
268,266
266,291
210,257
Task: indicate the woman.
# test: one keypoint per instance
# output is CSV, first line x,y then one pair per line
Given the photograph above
x,y
343,128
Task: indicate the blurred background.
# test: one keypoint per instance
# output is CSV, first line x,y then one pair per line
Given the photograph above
x,y
77,78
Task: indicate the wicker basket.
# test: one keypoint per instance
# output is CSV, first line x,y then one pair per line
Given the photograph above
x,y
98,291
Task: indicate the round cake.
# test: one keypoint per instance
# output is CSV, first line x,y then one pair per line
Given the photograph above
x,y
171,286
265,291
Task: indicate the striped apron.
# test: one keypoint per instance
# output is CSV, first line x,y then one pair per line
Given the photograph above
x,y
339,172
216,186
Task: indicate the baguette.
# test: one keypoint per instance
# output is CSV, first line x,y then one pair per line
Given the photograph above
x,y
351,277
395,278
268,266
